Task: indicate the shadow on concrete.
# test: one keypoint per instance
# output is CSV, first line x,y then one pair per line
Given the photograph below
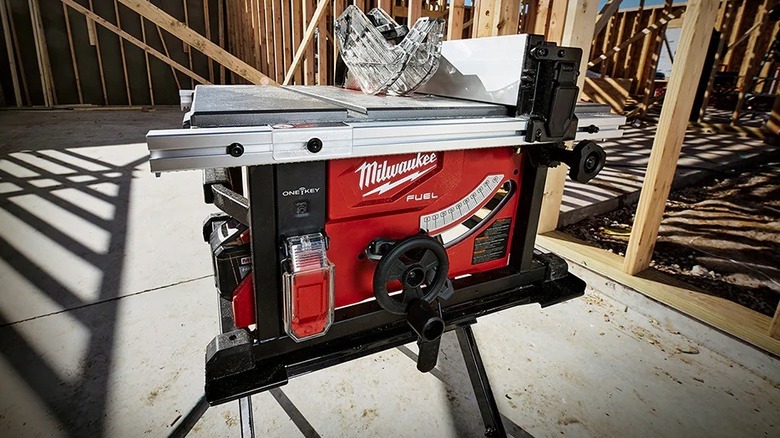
x,y
704,155
25,175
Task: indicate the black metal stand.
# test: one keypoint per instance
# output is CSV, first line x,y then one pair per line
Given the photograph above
x,y
494,427
477,374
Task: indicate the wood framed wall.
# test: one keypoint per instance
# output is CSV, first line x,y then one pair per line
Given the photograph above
x,y
628,42
140,53
698,22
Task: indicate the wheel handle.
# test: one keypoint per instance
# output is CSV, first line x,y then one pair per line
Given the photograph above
x,y
415,262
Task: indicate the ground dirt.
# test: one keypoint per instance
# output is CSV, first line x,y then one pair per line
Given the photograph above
x,y
722,236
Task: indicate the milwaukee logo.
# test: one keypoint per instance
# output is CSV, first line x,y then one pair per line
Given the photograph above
x,y
373,173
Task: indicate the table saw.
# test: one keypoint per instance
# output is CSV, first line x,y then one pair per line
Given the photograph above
x,y
353,223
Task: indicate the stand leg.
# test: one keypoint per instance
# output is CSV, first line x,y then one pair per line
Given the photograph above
x,y
245,413
479,381
191,419
196,413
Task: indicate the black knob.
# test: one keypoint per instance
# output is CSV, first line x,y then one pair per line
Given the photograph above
x,y
314,145
236,150
587,160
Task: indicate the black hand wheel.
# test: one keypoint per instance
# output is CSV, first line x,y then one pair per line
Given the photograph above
x,y
415,261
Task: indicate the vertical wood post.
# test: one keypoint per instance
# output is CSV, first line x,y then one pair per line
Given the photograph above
x,y
578,32
557,20
652,64
4,16
725,19
455,20
497,17
414,11
749,65
691,51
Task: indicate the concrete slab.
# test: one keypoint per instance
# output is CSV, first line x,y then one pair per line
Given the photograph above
x,y
126,367
90,224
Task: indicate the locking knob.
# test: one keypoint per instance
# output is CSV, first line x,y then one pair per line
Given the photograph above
x,y
585,161
314,145
235,150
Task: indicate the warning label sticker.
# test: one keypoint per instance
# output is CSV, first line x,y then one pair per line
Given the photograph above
x,y
491,244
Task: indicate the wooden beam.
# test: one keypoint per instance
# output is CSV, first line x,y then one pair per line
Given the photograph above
x,y
18,52
455,20
646,32
338,9
297,34
774,328
386,5
221,37
286,37
308,59
207,26
609,35
730,317
498,17
725,20
72,49
607,12
323,57
185,45
668,48
42,53
194,39
748,68
616,60
167,54
737,24
484,19
636,19
651,65
681,91
146,61
414,12
96,44
4,16
122,54
541,16
580,22
307,36
508,17
277,39
91,32
152,51
557,21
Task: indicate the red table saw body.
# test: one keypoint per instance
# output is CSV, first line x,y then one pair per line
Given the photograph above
x,y
385,197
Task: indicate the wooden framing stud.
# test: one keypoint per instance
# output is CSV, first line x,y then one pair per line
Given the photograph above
x,y
152,51
644,33
691,51
414,11
197,41
607,12
5,18
578,32
455,20
307,37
